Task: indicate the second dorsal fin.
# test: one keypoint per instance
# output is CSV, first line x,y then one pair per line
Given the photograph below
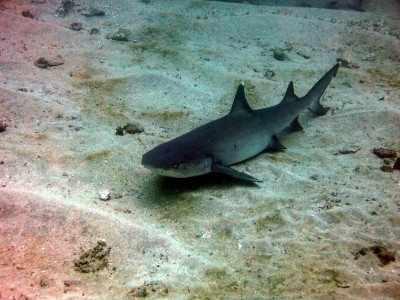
x,y
240,104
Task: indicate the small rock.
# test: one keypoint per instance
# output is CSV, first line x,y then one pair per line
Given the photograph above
x,y
369,57
352,148
28,14
119,131
130,128
94,31
346,63
304,54
44,282
65,7
104,195
150,289
44,63
387,169
102,243
384,255
385,153
77,26
93,12
70,283
269,73
3,126
396,165
279,54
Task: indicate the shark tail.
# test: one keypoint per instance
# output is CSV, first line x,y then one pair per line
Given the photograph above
x,y
314,95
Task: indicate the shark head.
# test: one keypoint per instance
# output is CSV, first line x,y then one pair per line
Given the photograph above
x,y
175,159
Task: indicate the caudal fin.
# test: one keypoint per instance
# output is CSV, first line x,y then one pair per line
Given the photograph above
x,y
314,95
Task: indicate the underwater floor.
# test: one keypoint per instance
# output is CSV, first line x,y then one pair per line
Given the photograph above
x,y
80,218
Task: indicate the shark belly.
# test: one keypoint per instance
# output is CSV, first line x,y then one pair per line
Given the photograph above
x,y
240,151
241,138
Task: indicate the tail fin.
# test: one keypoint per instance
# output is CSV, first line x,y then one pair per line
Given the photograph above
x,y
314,95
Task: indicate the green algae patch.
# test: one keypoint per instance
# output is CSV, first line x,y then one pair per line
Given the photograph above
x,y
275,281
177,207
335,216
104,84
385,77
216,273
100,155
222,284
166,115
35,136
162,39
275,219
99,100
282,158
394,221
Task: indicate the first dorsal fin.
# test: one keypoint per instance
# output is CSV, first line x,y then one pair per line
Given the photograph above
x,y
290,95
240,104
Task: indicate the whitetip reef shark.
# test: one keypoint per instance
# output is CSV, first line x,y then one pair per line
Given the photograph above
x,y
240,135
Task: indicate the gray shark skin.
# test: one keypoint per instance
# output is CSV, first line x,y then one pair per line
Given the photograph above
x,y
241,134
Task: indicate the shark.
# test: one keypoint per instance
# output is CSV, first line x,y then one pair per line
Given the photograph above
x,y
241,134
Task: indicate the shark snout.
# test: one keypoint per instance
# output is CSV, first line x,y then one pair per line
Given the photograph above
x,y
149,160
170,159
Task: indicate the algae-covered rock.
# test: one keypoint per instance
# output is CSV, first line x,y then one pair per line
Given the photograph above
x,y
122,35
129,128
44,63
279,54
150,289
93,12
93,260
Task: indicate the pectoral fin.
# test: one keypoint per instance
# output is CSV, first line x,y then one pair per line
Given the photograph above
x,y
275,144
295,125
233,173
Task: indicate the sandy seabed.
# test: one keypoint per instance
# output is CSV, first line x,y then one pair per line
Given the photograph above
x,y
321,224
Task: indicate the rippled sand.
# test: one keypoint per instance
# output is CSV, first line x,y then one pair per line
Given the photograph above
x,y
321,225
